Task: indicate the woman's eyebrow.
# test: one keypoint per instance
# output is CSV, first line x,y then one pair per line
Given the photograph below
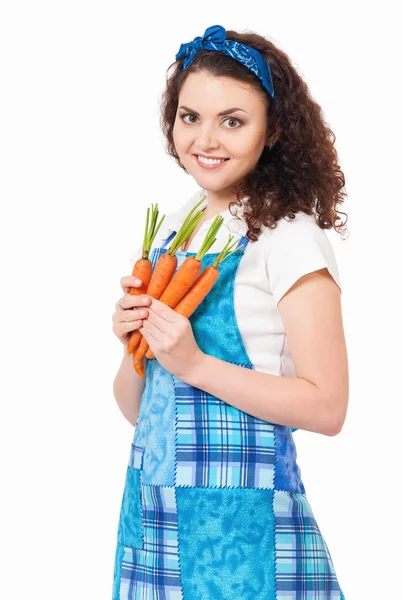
x,y
220,114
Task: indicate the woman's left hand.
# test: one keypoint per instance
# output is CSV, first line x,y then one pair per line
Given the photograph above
x,y
171,339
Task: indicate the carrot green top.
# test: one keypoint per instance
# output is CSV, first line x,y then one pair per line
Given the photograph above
x,y
187,228
151,230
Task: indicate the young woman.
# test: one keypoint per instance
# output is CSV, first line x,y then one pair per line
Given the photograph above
x,y
214,506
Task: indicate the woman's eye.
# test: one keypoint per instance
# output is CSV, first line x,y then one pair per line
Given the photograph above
x,y
228,119
184,116
233,119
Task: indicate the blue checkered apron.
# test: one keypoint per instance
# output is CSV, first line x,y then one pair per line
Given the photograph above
x,y
213,505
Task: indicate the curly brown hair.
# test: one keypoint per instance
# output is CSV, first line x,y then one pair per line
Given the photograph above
x,y
300,172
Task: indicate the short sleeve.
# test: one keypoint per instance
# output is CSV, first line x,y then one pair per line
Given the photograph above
x,y
295,248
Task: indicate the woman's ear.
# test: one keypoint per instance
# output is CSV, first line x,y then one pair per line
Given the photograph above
x,y
272,135
271,139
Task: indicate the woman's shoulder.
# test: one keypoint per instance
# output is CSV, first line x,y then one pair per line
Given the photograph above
x,y
302,232
294,248
285,225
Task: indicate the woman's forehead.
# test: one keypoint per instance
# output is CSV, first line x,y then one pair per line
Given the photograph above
x,y
213,94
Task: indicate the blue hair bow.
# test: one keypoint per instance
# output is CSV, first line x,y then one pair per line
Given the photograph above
x,y
214,38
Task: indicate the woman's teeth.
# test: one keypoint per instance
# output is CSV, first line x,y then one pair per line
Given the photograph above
x,y
210,161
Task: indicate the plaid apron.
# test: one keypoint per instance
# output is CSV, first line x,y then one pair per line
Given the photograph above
x,y
213,505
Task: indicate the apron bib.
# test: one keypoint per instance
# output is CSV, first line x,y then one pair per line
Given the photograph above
x,y
213,505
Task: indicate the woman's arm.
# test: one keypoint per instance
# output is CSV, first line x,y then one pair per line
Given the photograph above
x,y
317,398
128,387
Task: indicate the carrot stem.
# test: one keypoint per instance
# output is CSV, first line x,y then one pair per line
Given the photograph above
x,y
151,230
187,228
144,244
210,238
226,252
155,231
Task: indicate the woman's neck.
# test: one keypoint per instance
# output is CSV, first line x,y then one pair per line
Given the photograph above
x,y
216,206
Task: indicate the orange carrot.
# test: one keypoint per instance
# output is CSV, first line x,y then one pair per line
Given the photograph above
x,y
143,270
182,281
138,365
162,274
134,341
143,267
139,355
198,292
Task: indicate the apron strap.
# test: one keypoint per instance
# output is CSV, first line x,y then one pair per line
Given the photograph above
x,y
169,239
243,241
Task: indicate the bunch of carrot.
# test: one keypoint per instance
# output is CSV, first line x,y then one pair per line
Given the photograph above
x,y
177,286
182,290
163,271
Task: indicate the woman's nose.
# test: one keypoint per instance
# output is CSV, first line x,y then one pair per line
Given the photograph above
x,y
208,137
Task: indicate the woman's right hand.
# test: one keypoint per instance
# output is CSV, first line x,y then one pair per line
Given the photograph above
x,y
126,321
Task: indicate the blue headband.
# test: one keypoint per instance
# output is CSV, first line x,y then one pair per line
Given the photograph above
x,y
214,38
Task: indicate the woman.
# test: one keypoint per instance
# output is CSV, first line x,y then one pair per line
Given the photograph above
x,y
214,506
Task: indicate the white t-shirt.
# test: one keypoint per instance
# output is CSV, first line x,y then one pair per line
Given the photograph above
x,y
268,268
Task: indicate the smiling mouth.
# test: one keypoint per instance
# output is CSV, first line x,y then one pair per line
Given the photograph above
x,y
213,157
210,162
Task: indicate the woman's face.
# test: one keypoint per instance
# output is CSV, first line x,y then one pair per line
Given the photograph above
x,y
239,135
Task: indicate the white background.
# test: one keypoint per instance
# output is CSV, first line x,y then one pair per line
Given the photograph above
x,y
82,157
